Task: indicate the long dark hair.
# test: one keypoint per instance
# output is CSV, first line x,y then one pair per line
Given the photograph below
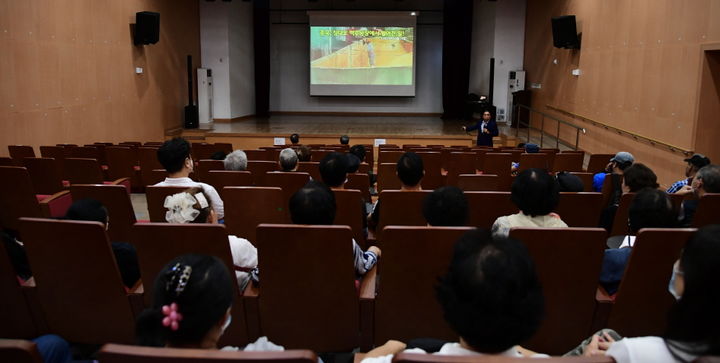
x,y
694,321
202,289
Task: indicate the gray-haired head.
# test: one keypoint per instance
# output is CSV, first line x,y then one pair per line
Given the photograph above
x,y
236,161
288,159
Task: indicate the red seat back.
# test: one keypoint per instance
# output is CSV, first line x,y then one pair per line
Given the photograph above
x,y
17,197
44,175
117,201
486,207
83,171
247,207
220,179
115,353
580,209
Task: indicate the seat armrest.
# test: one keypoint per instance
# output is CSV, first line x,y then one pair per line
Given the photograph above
x,y
367,309
56,205
602,296
135,298
367,285
252,310
125,181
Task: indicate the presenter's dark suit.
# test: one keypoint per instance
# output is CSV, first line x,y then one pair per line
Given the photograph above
x,y
484,139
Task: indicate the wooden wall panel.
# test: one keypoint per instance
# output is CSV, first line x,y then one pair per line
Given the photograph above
x,y
67,71
640,63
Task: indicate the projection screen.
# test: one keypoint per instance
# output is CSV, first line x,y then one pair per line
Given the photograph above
x,y
362,53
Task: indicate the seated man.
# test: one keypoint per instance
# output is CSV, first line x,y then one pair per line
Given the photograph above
x,y
333,170
694,164
344,140
295,139
707,180
536,193
304,153
236,161
490,297
638,177
446,207
288,160
174,155
315,204
616,166
410,171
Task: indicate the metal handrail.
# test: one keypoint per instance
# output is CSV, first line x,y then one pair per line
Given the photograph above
x,y
620,131
516,113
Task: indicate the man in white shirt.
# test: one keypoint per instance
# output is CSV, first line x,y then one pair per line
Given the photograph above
x,y
174,155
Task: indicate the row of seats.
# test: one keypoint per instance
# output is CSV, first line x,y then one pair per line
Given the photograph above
x,y
307,298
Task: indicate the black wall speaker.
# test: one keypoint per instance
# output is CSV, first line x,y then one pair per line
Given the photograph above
x,y
564,32
147,27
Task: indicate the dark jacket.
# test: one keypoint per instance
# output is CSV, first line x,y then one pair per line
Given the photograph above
x,y
484,139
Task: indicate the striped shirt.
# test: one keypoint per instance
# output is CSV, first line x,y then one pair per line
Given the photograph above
x,y
677,186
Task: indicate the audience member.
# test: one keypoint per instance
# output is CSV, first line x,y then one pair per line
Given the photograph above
x,y
410,171
295,139
218,155
236,161
288,160
446,207
693,326
333,170
536,193
616,166
304,153
694,163
193,206
530,148
353,163
344,140
359,151
315,204
638,176
707,180
651,208
490,297
125,253
569,182
193,295
174,155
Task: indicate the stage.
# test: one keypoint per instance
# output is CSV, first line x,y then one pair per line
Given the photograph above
x,y
251,133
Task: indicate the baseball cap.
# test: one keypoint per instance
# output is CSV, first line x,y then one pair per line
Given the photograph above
x,y
698,160
623,157
532,148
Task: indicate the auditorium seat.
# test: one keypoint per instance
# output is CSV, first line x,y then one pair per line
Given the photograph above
x,y
205,165
155,197
480,157
259,168
16,315
19,152
708,210
405,303
587,179
88,171
431,358
568,162
580,209
6,161
534,161
459,163
387,177
18,199
116,353
319,154
317,309
220,179
102,157
289,182
257,155
350,211
19,351
358,181
642,301
568,263
202,150
153,143
156,176
391,157
117,201
84,152
478,182
432,164
310,167
123,162
620,221
598,162
246,207
485,207
159,243
44,175
402,208
499,164
148,162
78,283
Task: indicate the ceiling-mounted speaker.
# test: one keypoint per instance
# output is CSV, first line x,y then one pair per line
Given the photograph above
x,y
147,27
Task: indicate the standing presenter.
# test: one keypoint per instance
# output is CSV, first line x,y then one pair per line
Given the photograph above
x,y
487,129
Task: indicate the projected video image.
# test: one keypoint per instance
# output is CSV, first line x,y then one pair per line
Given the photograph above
x,y
361,55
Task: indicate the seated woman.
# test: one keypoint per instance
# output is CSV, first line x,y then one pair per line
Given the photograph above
x,y
651,208
191,309
490,297
536,193
693,328
193,206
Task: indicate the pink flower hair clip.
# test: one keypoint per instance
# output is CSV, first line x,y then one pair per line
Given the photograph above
x,y
172,316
